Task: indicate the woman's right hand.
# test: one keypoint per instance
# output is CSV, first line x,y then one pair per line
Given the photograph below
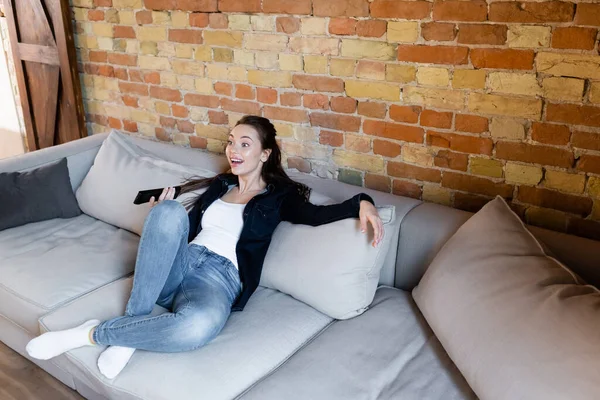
x,y
168,193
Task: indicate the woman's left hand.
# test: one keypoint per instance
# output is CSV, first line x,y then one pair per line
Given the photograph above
x,y
368,213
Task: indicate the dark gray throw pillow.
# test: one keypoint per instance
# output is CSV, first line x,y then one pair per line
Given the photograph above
x,y
36,195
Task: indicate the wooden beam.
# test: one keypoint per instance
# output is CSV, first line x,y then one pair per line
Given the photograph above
x,y
37,53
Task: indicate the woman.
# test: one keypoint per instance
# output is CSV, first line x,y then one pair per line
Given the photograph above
x,y
206,264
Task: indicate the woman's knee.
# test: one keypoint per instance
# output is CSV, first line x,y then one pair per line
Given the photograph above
x,y
197,328
168,215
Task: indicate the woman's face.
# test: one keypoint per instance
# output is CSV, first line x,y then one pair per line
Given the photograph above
x,y
244,151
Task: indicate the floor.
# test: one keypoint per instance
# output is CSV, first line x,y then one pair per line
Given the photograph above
x,y
20,379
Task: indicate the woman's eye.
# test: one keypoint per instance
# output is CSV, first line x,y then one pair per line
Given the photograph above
x,y
229,143
245,145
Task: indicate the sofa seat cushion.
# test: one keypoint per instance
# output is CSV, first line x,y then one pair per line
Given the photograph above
x,y
46,264
253,343
389,352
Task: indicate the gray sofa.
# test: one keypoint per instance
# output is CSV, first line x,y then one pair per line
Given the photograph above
x,y
58,273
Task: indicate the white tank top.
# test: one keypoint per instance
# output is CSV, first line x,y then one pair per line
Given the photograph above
x,y
222,225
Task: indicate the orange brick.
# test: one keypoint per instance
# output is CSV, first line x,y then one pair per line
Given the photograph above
x,y
103,70
152,77
130,126
179,111
199,20
317,83
335,139
342,26
400,9
165,93
555,200
550,133
114,123
588,14
316,101
97,56
122,59
378,182
168,122
143,17
407,189
287,24
371,28
393,131
586,140
96,15
341,8
265,95
244,92
475,184
136,88
436,119
97,119
408,114
218,21
358,143
249,6
403,170
573,114
185,126
217,117
530,12
223,88
120,73
185,36
482,34
438,31
102,3
386,148
452,10
574,38
451,160
160,4
130,101
371,109
343,104
434,54
200,100
528,153
126,32
462,143
191,5
135,76
290,99
471,123
502,58
198,142
287,6
589,163
240,106
335,121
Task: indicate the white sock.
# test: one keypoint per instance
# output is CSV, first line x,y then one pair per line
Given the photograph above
x,y
52,344
112,360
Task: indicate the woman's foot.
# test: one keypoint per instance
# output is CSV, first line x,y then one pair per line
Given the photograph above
x,y
52,344
112,360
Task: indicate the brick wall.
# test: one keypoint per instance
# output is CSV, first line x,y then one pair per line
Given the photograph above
x,y
447,101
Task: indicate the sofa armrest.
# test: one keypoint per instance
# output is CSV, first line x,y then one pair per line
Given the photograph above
x,y
80,156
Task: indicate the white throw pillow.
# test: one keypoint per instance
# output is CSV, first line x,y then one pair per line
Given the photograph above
x,y
517,323
120,170
333,267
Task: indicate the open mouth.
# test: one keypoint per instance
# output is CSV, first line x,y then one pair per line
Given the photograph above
x,y
236,161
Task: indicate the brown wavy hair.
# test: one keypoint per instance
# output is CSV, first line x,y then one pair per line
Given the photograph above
x,y
272,171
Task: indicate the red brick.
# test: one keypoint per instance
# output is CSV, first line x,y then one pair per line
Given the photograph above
x,y
218,21
196,5
471,123
386,148
122,59
179,111
453,10
407,189
290,99
434,54
223,88
378,182
152,77
482,34
550,133
165,93
371,28
343,104
130,126
342,26
102,3
555,200
316,101
469,202
162,134
573,114
239,106
97,119
341,8
95,15
584,227
167,122
287,6
201,100
287,24
588,14
502,58
114,123
104,70
371,109
403,170
244,92
265,95
589,163
438,31
335,121
574,38
135,76
475,184
436,119
185,36
130,101
318,83
586,140
531,12
143,17
121,73
528,153
185,126
199,20
97,56
198,142
408,114
239,6
400,9
217,117
462,143
136,88
300,164
393,131
124,32
335,139
451,160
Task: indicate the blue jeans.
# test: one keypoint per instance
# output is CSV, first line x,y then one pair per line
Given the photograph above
x,y
195,284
